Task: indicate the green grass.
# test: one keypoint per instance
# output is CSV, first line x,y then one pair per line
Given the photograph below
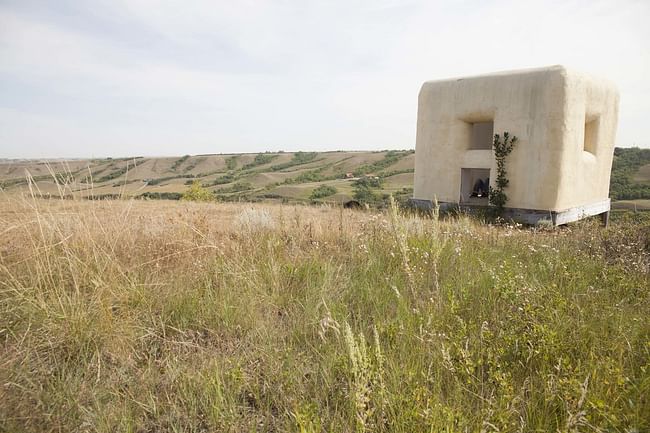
x,y
143,317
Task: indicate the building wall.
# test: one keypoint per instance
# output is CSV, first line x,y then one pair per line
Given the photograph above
x,y
587,172
545,108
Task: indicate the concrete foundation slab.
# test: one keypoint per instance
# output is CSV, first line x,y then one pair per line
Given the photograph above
x,y
526,216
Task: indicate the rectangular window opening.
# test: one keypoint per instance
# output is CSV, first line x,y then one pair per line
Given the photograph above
x,y
482,135
474,186
591,135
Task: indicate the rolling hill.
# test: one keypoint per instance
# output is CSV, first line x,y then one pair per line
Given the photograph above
x,y
280,176
277,176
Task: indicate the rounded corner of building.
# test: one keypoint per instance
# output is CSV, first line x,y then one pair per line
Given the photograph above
x,y
560,69
423,89
556,78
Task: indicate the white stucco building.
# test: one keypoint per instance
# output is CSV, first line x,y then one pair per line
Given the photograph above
x,y
560,167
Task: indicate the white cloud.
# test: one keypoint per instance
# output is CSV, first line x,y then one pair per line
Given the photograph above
x,y
206,76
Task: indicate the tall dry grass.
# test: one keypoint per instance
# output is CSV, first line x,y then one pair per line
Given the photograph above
x,y
158,316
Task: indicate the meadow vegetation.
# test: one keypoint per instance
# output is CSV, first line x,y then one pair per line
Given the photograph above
x,y
323,191
144,316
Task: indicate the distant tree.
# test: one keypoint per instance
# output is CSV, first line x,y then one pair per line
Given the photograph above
x,y
260,159
231,162
323,191
368,182
365,195
624,184
364,190
196,192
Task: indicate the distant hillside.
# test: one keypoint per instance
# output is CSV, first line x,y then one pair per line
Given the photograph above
x,y
285,176
630,174
297,176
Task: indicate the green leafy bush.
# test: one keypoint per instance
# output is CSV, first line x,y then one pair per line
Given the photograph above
x,y
226,178
196,192
231,162
159,195
159,180
260,159
179,162
368,182
307,176
323,191
299,158
113,175
391,157
365,191
236,187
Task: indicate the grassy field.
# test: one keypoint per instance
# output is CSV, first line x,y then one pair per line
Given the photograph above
x,y
150,316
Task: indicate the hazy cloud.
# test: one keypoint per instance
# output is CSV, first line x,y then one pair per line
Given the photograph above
x,y
152,77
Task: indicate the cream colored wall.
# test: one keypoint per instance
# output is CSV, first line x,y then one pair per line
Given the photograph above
x,y
585,174
548,168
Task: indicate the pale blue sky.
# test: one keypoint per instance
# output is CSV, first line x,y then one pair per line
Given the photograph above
x,y
144,77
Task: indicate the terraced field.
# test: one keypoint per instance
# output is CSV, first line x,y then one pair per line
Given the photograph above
x,y
264,176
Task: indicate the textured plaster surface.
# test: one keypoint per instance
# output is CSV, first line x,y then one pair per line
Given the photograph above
x,y
547,109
